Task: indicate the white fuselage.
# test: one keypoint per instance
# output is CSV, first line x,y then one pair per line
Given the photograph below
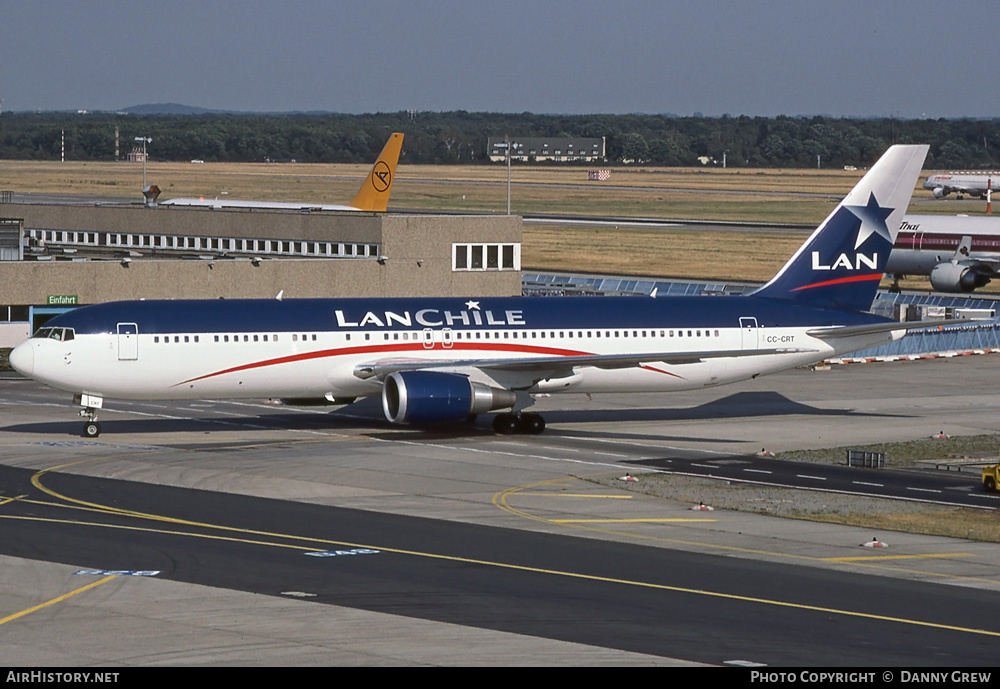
x,y
320,363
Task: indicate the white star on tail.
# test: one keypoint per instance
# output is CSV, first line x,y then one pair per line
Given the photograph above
x,y
872,219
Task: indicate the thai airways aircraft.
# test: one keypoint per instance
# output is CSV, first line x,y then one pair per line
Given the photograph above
x,y
372,196
973,185
449,359
959,253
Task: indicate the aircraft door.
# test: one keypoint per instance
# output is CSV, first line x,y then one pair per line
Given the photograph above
x,y
748,332
128,341
428,337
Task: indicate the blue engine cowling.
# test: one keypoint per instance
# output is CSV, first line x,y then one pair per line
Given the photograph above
x,y
435,397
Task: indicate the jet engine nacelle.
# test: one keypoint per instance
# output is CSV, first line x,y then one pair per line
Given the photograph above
x,y
436,397
940,192
959,277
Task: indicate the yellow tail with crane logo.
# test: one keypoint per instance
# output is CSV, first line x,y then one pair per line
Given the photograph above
x,y
374,192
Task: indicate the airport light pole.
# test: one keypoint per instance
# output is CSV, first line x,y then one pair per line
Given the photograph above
x,y
509,145
143,140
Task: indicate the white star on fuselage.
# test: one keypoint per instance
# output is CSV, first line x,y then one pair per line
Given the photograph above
x,y
474,305
872,219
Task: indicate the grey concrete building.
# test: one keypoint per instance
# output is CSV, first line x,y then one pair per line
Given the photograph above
x,y
84,254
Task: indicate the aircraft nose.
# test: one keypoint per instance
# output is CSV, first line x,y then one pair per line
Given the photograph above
x,y
22,359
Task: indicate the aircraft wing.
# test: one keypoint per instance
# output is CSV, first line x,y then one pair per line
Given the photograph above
x,y
381,369
991,262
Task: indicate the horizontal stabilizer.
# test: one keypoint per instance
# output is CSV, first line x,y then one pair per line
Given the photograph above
x,y
851,330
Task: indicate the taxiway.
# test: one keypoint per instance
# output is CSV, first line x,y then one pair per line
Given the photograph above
x,y
461,547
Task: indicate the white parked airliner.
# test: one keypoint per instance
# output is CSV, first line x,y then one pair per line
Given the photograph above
x,y
372,196
959,253
973,184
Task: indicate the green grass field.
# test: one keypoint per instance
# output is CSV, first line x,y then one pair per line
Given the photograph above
x,y
766,196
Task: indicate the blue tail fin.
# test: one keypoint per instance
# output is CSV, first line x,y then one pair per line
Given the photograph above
x,y
841,263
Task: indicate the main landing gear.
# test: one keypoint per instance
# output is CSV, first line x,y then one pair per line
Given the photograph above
x,y
509,424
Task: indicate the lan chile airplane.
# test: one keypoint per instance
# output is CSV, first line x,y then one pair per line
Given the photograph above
x,y
449,359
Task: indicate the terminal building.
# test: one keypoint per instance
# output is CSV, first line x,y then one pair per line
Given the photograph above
x,y
57,256
548,149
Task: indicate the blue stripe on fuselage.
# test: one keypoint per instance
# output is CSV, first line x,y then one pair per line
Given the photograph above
x,y
478,313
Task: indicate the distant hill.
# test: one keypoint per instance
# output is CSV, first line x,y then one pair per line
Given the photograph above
x,y
167,109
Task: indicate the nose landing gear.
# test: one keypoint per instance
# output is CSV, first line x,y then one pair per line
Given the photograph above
x,y
91,427
91,404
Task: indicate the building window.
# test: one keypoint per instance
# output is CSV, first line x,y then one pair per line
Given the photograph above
x,y
486,257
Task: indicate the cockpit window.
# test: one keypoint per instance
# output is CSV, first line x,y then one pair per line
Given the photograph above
x,y
63,334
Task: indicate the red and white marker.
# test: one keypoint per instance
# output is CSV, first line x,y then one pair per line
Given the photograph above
x,y
875,543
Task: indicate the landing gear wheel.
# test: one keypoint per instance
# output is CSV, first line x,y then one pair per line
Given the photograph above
x,y
532,424
506,424
91,429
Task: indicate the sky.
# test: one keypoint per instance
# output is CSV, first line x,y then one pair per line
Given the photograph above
x,y
881,58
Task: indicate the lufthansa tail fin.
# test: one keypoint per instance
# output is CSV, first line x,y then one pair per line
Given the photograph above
x,y
841,263
374,192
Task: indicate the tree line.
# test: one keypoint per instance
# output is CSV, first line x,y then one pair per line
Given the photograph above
x,y
460,137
